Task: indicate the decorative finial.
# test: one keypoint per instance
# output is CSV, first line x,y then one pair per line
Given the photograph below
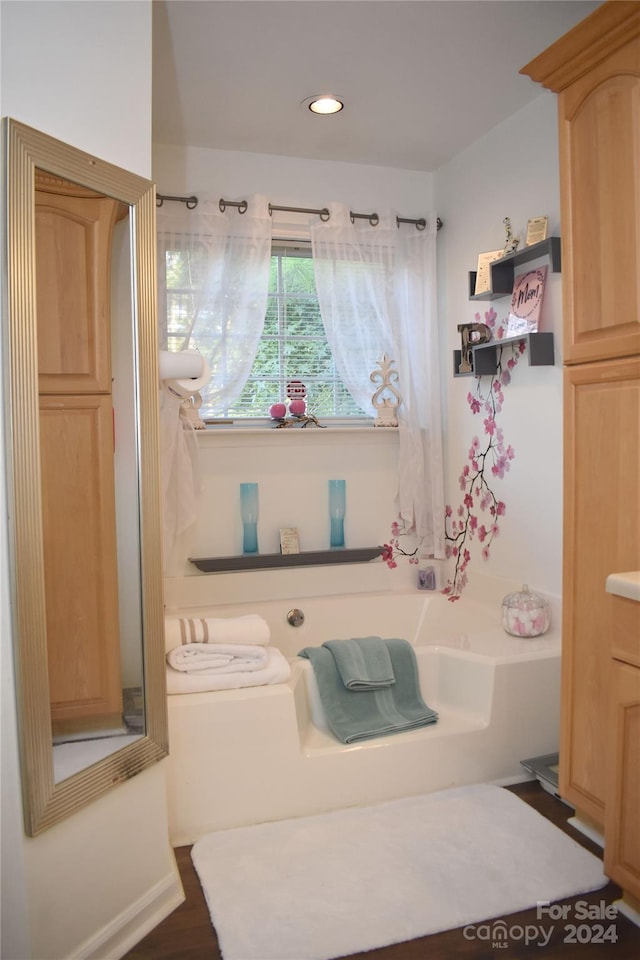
x,y
386,399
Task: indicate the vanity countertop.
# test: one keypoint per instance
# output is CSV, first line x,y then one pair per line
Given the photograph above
x,y
624,585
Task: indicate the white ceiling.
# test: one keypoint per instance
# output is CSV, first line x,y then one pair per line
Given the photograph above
x,y
421,79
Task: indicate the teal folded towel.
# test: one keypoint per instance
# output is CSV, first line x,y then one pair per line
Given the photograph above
x,y
354,715
363,662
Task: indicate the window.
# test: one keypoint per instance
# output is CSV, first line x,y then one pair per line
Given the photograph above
x,y
293,345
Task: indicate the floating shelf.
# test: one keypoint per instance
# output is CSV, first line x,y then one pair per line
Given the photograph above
x,y
540,353
502,271
496,293
271,561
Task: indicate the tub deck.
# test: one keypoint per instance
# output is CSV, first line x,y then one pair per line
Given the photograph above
x,y
263,753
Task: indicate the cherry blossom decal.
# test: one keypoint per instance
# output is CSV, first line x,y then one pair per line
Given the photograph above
x,y
398,530
489,458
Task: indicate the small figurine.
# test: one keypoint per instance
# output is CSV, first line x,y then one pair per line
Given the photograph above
x,y
472,334
189,412
511,243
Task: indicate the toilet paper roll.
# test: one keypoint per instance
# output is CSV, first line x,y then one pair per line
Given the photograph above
x,y
187,387
180,365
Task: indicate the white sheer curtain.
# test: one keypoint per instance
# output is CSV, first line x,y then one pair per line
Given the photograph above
x,y
217,275
377,294
180,472
213,271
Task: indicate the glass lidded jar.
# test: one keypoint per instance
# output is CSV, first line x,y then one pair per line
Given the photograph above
x,y
525,614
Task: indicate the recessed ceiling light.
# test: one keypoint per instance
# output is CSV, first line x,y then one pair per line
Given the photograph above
x,y
324,104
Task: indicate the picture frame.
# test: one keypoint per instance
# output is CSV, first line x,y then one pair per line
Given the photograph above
x,y
537,230
526,302
483,276
289,540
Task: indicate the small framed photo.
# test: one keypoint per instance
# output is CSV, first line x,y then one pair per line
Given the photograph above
x,y
289,541
537,229
483,276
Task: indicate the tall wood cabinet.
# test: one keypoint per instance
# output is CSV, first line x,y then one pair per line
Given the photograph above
x,y
595,70
73,243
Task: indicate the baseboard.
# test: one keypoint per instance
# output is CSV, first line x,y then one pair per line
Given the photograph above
x,y
628,911
510,781
129,927
587,830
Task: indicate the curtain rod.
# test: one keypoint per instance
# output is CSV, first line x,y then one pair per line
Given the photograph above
x,y
191,202
323,213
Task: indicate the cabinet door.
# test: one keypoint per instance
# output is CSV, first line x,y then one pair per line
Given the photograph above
x,y
599,130
622,828
601,534
73,248
595,70
81,587
625,630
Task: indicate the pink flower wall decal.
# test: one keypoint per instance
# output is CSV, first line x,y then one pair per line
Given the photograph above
x,y
487,459
389,550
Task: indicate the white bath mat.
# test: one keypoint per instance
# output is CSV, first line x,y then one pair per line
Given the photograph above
x,y
320,887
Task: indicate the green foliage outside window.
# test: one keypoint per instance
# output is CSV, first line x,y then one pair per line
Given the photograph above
x,y
293,344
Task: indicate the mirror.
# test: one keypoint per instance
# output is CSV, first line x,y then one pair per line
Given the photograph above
x,y
82,445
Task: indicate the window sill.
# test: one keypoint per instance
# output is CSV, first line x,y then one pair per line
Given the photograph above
x,y
265,423
235,435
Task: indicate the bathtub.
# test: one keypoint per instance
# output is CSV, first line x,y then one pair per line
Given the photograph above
x,y
265,753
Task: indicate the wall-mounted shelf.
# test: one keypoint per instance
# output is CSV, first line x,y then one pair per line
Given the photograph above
x,y
272,561
540,353
502,271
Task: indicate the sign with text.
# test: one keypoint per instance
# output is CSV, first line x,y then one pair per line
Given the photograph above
x,y
526,302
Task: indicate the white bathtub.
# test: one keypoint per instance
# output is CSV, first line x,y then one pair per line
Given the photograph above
x,y
265,753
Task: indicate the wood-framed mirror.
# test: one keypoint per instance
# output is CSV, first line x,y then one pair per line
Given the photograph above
x,y
81,411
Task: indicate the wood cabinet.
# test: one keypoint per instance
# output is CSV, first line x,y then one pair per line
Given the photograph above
x,y
73,244
595,70
622,828
601,535
73,230
76,451
625,629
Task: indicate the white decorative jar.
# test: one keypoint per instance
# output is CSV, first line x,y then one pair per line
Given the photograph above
x,y
525,614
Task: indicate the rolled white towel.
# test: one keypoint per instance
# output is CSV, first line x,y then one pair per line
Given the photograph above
x,y
277,670
248,629
217,658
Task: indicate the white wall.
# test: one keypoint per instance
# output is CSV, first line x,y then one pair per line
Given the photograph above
x,y
80,72
293,470
512,171
288,181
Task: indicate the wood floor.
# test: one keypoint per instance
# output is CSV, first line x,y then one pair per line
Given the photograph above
x,y
187,934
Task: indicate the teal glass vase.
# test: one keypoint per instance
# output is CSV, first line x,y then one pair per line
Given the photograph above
x,y
249,514
337,509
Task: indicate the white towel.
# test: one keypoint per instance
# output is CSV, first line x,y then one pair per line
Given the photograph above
x,y
217,658
249,629
277,670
